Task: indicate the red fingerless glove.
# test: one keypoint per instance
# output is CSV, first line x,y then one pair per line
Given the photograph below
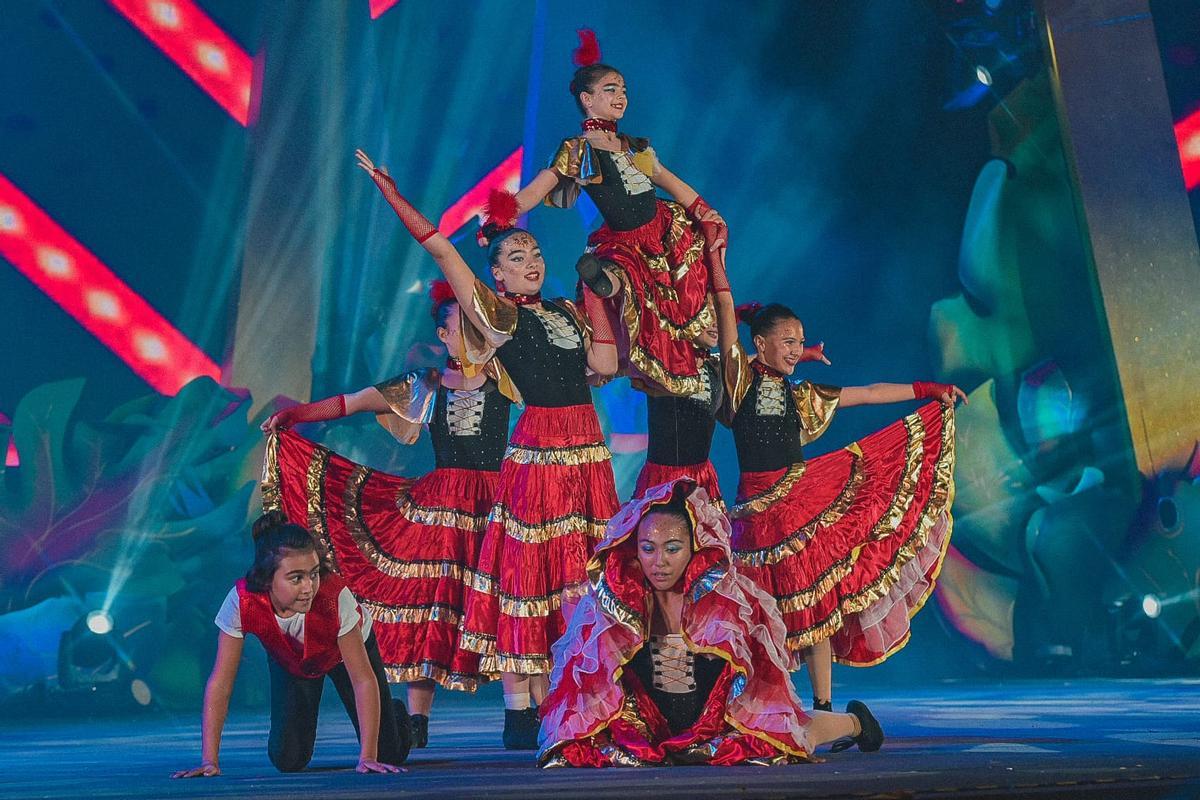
x,y
320,411
597,314
420,228
716,234
928,390
814,353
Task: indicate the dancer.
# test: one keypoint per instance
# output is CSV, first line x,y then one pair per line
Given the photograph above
x,y
406,548
311,627
680,428
652,256
850,543
674,657
556,490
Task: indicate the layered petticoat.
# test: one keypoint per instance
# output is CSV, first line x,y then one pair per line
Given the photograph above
x,y
703,474
664,287
554,497
598,714
404,547
851,543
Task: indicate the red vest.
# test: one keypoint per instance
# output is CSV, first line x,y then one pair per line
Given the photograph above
x,y
320,652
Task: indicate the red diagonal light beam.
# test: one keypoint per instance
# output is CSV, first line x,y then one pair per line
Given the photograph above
x,y
470,205
100,301
380,6
201,49
1187,133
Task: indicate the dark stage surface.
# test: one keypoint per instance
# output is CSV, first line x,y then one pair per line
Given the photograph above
x,y
1086,739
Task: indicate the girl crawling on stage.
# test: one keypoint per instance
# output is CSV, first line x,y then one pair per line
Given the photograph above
x,y
311,627
674,657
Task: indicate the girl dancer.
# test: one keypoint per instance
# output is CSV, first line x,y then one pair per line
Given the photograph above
x,y
653,256
556,490
674,657
405,548
311,627
851,542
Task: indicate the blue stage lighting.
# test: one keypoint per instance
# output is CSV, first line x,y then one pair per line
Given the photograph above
x,y
100,622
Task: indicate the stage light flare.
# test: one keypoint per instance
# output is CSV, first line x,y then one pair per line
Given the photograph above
x,y
190,38
1151,606
983,76
1187,134
101,302
99,622
377,7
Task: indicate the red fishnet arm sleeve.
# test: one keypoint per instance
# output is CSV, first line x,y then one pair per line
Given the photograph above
x,y
597,314
320,411
420,228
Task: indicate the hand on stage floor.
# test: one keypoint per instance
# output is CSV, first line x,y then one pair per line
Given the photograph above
x,y
815,353
205,770
371,765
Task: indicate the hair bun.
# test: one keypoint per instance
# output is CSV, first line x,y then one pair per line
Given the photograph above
x,y
269,520
439,294
588,52
747,311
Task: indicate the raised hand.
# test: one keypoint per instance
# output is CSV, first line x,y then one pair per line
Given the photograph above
x,y
368,165
815,353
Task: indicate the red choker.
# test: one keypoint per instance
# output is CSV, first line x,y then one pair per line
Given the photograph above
x,y
765,369
523,299
593,124
453,363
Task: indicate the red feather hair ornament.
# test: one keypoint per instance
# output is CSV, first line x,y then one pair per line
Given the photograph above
x,y
588,52
500,211
440,292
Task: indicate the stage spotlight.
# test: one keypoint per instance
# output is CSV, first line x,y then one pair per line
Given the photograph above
x,y
983,76
1151,606
100,622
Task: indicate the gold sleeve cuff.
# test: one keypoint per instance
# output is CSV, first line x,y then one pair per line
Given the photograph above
x,y
815,404
575,163
410,397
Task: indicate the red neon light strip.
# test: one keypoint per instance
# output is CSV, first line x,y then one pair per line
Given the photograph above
x,y
380,6
201,49
470,205
1187,133
100,301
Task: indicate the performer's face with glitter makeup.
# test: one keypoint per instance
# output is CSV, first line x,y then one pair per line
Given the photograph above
x,y
607,99
664,547
448,331
707,338
782,346
518,265
295,582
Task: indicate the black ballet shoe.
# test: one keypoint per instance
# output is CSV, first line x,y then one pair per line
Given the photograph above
x,y
822,705
869,739
420,730
591,272
520,729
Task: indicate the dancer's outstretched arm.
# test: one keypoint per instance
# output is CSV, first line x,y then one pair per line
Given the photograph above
x,y
216,706
881,393
336,407
458,273
536,190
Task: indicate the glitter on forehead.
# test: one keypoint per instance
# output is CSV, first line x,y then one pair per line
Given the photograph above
x,y
517,241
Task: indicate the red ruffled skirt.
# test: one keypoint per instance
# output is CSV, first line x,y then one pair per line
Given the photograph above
x,y
664,288
405,548
555,496
850,543
657,474
639,736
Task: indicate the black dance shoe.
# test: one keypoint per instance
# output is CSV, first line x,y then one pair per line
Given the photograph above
x,y
420,730
822,705
869,739
521,729
591,272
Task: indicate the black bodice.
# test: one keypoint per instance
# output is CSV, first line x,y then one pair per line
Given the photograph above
x,y
766,429
469,428
681,710
545,373
621,210
680,428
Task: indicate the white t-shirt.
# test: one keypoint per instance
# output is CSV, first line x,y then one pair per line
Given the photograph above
x,y
229,617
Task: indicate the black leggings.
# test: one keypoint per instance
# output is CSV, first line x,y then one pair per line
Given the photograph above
x,y
296,701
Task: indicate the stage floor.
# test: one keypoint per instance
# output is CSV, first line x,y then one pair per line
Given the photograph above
x,y
1078,739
